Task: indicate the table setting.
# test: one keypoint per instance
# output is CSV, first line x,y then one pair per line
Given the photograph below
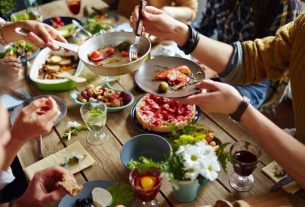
x,y
121,130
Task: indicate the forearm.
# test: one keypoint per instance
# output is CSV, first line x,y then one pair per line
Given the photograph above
x,y
12,149
212,53
181,13
283,148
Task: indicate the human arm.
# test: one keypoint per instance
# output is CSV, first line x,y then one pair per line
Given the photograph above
x,y
43,188
184,10
212,53
29,125
282,147
40,34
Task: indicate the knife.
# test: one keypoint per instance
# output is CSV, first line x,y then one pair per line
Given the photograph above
x,y
284,181
81,27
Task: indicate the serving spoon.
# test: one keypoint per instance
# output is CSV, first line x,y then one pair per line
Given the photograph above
x,y
71,77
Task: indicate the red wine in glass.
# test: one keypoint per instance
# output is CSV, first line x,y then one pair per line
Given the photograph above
x,y
146,186
245,162
74,6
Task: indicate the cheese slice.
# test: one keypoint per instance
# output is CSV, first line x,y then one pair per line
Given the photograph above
x,y
101,197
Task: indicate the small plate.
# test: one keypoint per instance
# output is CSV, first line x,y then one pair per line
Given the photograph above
x,y
164,134
69,201
146,73
74,95
60,102
65,20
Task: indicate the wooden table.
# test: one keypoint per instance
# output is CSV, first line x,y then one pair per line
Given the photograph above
x,y
120,129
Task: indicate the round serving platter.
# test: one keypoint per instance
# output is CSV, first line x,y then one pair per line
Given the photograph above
x,y
164,134
69,201
146,73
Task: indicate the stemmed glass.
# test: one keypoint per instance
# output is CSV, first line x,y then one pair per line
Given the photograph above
x,y
74,6
94,115
245,162
146,186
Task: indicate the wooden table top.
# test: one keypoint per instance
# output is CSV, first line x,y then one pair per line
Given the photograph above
x,y
120,129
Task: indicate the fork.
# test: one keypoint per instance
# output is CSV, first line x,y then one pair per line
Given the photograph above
x,y
133,50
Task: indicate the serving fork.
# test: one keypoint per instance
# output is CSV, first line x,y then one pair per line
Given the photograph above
x,y
133,50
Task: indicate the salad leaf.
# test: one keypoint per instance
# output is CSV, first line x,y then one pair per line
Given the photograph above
x,y
122,194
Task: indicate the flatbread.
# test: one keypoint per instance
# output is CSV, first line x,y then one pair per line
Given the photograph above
x,y
70,186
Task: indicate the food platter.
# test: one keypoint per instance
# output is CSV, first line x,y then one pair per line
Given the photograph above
x,y
62,106
164,134
69,201
145,76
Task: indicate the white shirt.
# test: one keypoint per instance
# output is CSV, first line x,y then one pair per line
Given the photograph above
x,y
6,177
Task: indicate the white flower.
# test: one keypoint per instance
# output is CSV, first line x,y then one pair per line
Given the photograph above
x,y
199,159
74,124
210,169
192,175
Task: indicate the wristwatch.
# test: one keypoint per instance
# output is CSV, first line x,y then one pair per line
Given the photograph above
x,y
191,42
240,109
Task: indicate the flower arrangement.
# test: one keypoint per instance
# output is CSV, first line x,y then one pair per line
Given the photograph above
x,y
196,154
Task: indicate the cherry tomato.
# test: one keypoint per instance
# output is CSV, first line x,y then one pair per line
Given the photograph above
x,y
124,53
62,24
110,51
57,20
95,54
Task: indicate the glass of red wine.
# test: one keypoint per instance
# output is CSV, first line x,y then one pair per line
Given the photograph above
x,y
245,161
146,186
74,6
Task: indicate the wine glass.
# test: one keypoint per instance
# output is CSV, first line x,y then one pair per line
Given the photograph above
x,y
74,6
245,161
145,186
94,115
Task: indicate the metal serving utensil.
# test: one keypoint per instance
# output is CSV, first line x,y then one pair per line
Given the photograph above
x,y
133,50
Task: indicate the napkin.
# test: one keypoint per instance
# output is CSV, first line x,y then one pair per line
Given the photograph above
x,y
9,101
58,158
291,188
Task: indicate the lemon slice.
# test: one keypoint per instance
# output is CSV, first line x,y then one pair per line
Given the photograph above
x,y
148,182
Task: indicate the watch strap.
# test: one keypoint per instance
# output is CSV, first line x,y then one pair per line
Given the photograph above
x,y
240,110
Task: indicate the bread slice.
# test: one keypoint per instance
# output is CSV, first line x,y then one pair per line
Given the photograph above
x,y
70,186
223,203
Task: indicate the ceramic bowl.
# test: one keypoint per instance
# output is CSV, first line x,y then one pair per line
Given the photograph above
x,y
52,85
74,95
151,146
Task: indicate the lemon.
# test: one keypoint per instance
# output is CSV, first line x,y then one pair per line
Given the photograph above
x,y
147,182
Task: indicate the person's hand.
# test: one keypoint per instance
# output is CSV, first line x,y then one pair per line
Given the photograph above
x,y
215,97
43,188
160,24
35,119
40,34
10,67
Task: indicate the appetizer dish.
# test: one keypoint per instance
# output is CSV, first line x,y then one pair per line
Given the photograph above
x,y
110,97
160,114
98,23
74,159
17,49
176,78
56,64
111,55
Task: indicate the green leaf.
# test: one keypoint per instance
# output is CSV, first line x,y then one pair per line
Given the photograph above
x,y
122,194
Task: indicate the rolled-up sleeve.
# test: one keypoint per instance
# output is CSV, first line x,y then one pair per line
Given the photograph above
x,y
267,58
